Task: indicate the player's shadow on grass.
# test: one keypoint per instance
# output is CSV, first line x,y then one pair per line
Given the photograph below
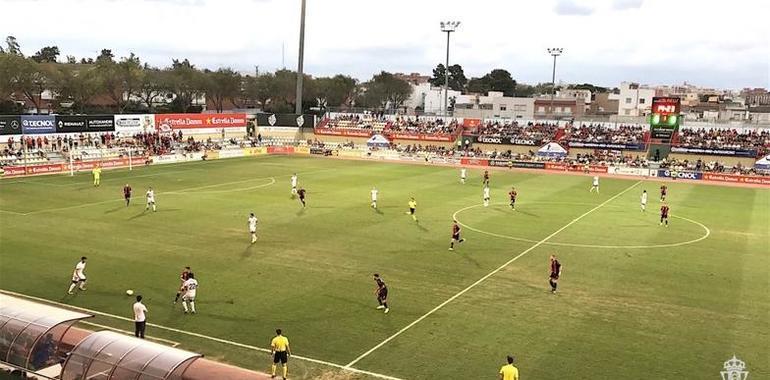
x,y
301,211
110,211
517,211
468,258
248,252
421,227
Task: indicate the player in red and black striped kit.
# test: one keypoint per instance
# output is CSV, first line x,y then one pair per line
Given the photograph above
x,y
513,195
663,192
664,214
382,293
301,193
127,194
455,235
183,277
553,278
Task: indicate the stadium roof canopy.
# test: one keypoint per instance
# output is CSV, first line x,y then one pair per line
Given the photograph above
x,y
30,332
110,355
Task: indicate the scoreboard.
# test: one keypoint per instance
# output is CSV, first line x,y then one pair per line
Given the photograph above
x,y
665,117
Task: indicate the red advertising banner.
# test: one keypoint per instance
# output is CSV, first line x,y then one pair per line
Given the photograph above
x,y
575,168
415,136
280,150
474,161
757,180
471,123
175,121
342,132
15,171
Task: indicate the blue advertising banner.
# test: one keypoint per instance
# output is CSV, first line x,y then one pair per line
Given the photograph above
x,y
666,173
602,145
38,124
715,151
10,125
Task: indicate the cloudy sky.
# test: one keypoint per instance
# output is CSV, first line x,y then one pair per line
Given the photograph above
x,y
722,44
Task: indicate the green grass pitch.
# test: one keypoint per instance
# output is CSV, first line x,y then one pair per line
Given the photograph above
x,y
636,301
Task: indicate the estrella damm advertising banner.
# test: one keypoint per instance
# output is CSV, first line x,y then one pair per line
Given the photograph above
x,y
10,125
191,121
665,117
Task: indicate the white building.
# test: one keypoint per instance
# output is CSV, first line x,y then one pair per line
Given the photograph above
x,y
635,99
429,99
494,105
582,95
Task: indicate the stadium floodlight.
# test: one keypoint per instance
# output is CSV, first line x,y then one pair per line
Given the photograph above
x,y
555,52
300,60
447,27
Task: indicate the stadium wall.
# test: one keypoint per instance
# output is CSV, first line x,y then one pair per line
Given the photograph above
x,y
394,156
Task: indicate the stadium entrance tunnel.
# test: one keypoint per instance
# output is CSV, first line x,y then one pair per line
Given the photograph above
x,y
612,227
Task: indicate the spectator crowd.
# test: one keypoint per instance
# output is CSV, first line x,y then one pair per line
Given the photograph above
x,y
716,138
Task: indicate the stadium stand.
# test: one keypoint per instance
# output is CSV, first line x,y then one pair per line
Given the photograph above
x,y
544,132
717,138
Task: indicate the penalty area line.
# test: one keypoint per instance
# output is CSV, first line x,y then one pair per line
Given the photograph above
x,y
194,334
488,275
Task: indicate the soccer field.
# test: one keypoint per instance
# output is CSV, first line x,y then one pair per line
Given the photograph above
x,y
636,300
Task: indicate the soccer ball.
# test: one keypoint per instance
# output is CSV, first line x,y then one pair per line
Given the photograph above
x,y
129,292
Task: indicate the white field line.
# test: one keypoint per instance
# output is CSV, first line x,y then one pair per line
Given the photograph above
x,y
126,332
488,275
201,336
170,193
577,245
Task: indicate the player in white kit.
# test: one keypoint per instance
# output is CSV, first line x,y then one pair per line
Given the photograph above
x,y
294,184
78,276
374,197
150,195
253,227
190,288
595,185
486,195
462,175
644,200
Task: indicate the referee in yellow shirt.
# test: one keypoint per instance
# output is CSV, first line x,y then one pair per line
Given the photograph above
x,y
508,371
279,347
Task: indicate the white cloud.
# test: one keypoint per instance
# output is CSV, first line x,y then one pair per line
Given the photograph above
x,y
657,41
572,8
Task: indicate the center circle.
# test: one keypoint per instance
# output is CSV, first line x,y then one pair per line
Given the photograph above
x,y
706,230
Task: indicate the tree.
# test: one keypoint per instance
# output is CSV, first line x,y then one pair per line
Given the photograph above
x,y
588,86
335,91
385,91
222,85
72,60
9,74
77,84
105,55
153,84
185,84
457,79
11,47
48,54
32,81
496,80
121,80
259,89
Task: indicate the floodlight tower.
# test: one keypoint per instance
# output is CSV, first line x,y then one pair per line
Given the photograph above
x,y
555,52
447,27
